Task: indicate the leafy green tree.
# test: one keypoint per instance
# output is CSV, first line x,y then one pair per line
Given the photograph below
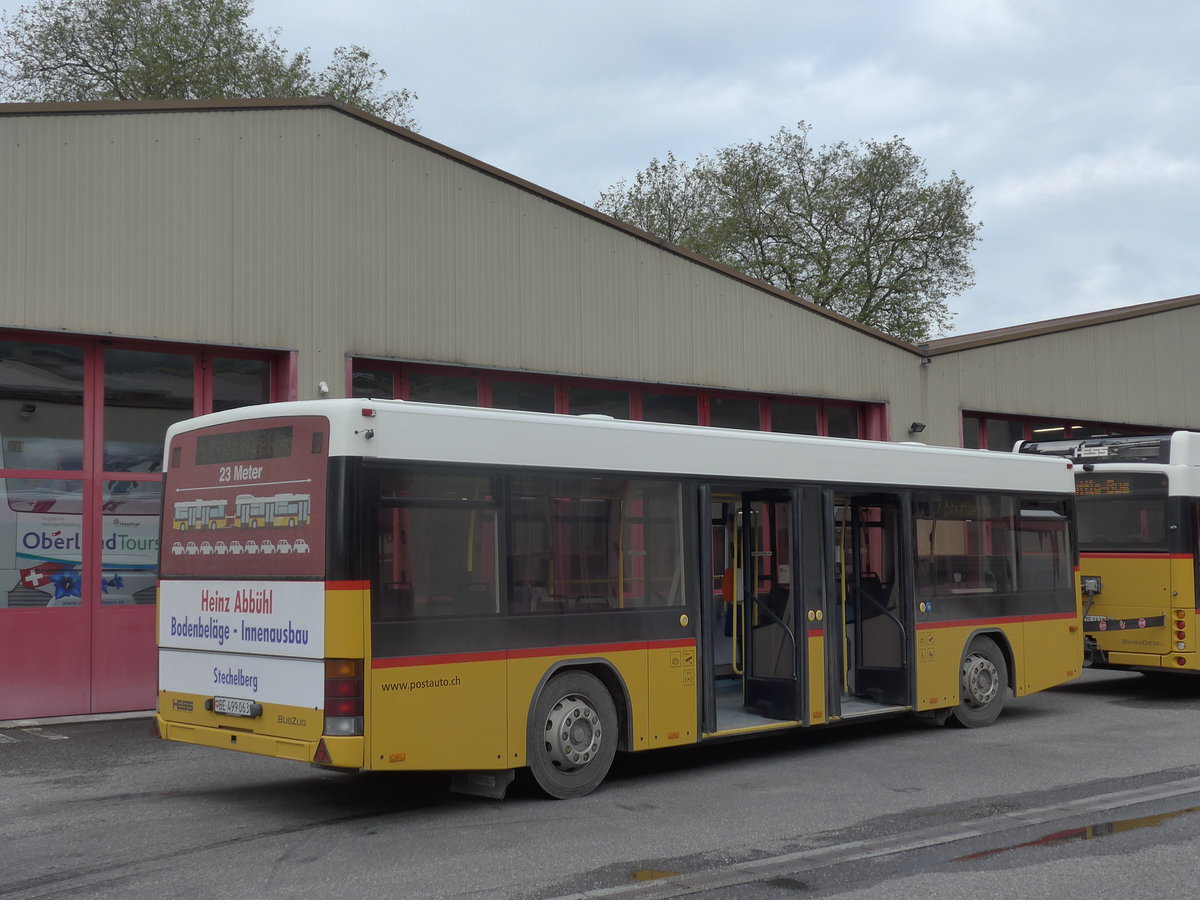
x,y
860,230
73,50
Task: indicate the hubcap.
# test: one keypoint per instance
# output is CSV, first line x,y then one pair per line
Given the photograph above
x,y
572,734
980,680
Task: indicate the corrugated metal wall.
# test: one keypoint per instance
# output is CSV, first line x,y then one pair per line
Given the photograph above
x,y
1139,371
310,229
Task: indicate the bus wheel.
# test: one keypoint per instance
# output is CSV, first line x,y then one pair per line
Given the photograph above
x,y
572,735
983,684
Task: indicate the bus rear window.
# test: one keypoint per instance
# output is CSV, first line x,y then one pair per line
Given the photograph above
x,y
1122,511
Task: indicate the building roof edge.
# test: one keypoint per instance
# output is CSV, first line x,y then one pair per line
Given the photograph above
x,y
117,107
978,339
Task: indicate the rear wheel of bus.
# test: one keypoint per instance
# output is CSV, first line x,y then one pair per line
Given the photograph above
x,y
572,735
983,684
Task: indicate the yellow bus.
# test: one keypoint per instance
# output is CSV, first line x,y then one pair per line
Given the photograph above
x,y
1138,513
200,514
484,591
273,511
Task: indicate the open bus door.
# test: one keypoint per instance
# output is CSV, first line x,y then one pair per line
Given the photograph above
x,y
770,655
752,661
872,611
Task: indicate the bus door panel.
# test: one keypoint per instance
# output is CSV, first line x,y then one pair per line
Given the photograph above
x,y
870,608
716,558
770,651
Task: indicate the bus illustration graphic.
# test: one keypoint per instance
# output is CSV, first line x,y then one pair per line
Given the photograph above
x,y
249,511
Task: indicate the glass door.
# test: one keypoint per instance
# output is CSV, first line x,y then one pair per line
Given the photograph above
x,y
771,655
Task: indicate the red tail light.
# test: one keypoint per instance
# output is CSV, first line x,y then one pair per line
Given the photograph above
x,y
344,696
343,706
343,687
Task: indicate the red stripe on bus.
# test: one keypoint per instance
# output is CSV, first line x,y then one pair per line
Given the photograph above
x,y
816,632
439,660
1008,620
529,653
1090,555
347,585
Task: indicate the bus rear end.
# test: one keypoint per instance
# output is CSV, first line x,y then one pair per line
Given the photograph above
x,y
1138,570
257,651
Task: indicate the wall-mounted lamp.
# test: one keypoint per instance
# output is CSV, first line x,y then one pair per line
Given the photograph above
x,y
27,410
323,387
916,427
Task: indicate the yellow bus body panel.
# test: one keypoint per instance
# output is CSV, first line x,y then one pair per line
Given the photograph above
x,y
288,723
445,715
346,612
672,702
241,741
1040,653
939,653
1050,654
632,668
345,752
816,677
1136,588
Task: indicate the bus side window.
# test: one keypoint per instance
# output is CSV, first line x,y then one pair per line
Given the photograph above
x,y
396,602
437,553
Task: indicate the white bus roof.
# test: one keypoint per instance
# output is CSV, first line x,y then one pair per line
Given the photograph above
x,y
435,433
1176,455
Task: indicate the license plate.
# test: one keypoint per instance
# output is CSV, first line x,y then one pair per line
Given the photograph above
x,y
233,706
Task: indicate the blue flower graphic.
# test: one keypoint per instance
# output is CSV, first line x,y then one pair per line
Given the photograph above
x,y
66,584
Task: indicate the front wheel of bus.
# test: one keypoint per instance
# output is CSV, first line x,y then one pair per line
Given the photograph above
x,y
983,684
572,735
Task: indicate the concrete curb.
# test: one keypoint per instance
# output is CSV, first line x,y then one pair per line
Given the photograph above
x,y
73,720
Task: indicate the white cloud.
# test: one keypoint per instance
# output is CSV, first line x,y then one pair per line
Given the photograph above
x,y
1126,169
975,22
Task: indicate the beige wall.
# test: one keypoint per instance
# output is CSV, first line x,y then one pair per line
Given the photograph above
x,y
312,230
1139,370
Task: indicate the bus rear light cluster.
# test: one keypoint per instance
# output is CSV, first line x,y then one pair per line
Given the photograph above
x,y
1181,635
343,696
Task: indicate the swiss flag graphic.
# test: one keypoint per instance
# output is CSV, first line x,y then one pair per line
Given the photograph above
x,y
39,576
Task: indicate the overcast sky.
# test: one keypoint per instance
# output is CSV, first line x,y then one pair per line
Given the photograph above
x,y
1076,123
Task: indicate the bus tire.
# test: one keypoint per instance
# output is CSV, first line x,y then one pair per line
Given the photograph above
x,y
983,684
572,735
